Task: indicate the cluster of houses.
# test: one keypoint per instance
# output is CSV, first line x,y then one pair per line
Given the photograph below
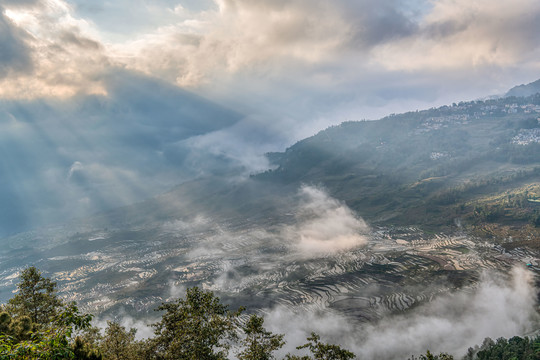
x,y
438,155
527,136
527,108
508,109
439,122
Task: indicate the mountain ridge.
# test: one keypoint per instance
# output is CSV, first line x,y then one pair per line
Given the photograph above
x,y
524,89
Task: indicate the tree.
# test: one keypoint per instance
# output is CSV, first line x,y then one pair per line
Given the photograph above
x,y
19,329
83,350
198,327
36,297
322,351
119,343
36,324
53,341
513,348
259,343
441,356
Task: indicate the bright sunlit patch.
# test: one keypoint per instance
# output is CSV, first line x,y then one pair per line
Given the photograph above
x,y
65,56
27,88
18,17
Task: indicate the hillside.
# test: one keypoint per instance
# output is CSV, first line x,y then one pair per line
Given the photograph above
x,y
478,162
474,163
524,90
366,221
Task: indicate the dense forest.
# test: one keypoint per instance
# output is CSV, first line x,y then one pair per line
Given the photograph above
x,y
37,324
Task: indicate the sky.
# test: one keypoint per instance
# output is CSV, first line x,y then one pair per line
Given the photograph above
x,y
105,102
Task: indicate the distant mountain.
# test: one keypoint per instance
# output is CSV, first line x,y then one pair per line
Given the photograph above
x,y
426,168
525,90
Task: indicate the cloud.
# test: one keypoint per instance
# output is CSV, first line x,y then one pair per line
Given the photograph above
x,y
265,38
240,147
498,307
323,54
298,324
144,328
20,3
15,55
324,225
465,34
304,65
176,291
65,58
274,39
284,62
138,16
313,225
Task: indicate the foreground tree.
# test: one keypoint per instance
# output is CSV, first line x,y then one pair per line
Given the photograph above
x,y
514,348
83,350
322,351
430,356
119,343
198,327
259,344
36,324
18,329
36,298
53,342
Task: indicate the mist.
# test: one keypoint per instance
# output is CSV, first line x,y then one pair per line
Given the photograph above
x,y
499,306
143,327
324,225
321,225
90,153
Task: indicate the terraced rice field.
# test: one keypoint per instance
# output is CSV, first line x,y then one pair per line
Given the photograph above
x,y
398,268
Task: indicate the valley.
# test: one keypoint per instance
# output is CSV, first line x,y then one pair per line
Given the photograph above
x,y
366,222
112,272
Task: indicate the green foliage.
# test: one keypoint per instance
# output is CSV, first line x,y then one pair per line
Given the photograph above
x,y
37,325
430,356
197,327
119,343
19,328
514,348
36,297
259,343
85,351
322,351
52,343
